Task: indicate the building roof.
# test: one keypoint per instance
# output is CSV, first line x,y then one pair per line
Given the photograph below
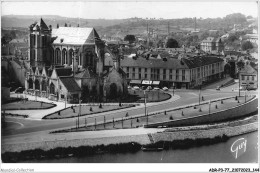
x,y
75,35
211,39
153,63
21,40
63,71
70,84
86,73
199,61
248,69
39,25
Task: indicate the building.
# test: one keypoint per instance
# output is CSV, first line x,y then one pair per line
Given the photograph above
x,y
186,72
212,44
69,63
248,77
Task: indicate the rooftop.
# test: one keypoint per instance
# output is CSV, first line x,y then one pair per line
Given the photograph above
x,y
75,35
70,84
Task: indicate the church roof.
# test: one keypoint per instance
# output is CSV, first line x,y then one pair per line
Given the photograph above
x,y
86,73
63,71
75,36
70,84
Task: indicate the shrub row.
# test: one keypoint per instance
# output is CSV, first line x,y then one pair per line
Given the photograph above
x,y
82,151
47,116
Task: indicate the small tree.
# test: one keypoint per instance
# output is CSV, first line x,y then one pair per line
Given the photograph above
x,y
129,38
172,43
247,45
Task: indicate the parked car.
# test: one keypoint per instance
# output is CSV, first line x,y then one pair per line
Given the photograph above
x,y
156,88
135,88
19,90
149,88
165,89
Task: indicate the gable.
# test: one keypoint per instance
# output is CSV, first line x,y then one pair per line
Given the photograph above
x,y
54,74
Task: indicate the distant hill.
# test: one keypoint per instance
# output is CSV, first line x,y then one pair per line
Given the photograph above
x,y
24,21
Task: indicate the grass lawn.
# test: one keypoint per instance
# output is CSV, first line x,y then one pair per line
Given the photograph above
x,y
187,112
24,105
151,96
85,110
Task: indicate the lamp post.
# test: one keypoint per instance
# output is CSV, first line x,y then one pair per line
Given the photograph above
x,y
145,108
199,95
79,111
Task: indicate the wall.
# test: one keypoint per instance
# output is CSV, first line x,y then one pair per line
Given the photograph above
x,y
235,112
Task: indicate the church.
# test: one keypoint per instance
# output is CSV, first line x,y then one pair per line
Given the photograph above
x,y
72,64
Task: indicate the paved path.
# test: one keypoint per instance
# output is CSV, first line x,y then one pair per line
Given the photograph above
x,y
38,114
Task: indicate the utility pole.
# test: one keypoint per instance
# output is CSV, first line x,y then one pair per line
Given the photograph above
x,y
209,106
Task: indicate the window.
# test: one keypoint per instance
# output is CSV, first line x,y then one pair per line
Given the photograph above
x,y
164,71
62,96
139,70
247,77
133,75
253,77
243,77
139,76
145,76
127,75
127,69
133,69
170,70
183,78
145,70
170,77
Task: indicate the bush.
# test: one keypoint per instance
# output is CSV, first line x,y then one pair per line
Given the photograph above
x,y
90,109
100,106
171,118
137,120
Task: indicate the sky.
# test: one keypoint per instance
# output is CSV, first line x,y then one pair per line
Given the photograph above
x,y
129,9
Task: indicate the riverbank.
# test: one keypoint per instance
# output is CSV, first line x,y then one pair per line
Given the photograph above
x,y
55,145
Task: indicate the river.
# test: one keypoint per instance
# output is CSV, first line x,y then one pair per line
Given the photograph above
x,y
216,153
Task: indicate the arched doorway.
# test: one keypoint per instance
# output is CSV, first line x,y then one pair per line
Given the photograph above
x,y
52,89
113,91
44,86
30,82
37,84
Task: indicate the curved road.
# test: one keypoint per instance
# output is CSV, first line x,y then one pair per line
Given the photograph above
x,y
186,97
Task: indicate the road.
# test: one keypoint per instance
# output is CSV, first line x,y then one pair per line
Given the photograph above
x,y
186,97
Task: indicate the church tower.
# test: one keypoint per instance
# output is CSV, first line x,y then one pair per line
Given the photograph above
x,y
39,44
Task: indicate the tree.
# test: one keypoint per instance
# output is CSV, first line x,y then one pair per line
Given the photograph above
x,y
247,45
130,38
232,38
172,43
58,26
240,65
65,25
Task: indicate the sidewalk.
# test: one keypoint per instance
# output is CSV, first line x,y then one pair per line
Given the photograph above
x,y
38,114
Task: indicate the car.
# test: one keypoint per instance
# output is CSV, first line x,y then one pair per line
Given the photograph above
x,y
218,88
135,88
165,89
19,90
156,88
149,88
